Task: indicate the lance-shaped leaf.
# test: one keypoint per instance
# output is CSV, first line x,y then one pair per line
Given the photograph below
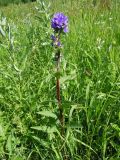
x,y
2,32
47,114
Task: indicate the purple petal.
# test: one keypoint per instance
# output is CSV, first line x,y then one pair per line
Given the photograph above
x,y
59,22
65,29
53,25
58,44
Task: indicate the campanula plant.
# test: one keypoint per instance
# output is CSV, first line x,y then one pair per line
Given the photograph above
x,y
59,24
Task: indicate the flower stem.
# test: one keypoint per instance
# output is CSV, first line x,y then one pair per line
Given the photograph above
x,y
61,114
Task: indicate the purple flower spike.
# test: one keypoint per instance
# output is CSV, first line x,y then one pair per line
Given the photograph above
x,y
59,22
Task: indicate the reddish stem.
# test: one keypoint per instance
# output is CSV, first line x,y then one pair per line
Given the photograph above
x,y
58,91
61,116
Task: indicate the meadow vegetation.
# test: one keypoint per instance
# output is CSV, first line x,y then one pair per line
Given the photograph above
x,y
7,2
90,82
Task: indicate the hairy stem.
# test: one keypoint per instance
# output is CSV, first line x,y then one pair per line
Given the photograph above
x,y
61,115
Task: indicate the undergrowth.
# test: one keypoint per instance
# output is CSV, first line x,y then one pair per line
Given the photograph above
x,y
90,84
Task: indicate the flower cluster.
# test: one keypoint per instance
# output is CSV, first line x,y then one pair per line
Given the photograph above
x,y
59,22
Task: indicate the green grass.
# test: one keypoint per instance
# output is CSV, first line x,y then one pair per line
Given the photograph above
x,y
90,83
7,2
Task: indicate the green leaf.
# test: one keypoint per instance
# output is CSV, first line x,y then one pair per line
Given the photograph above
x,y
2,134
2,32
45,129
71,111
69,77
115,126
55,151
48,114
9,144
88,91
75,125
42,142
75,107
14,157
86,145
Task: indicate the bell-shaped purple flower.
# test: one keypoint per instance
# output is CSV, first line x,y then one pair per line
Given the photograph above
x,y
59,22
